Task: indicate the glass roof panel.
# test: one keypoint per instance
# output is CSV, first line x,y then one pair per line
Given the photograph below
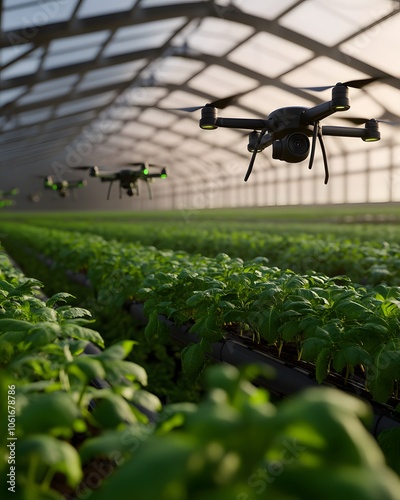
x,y
387,97
78,41
159,3
219,81
139,130
95,8
142,36
18,134
213,36
169,139
331,22
269,54
10,94
259,8
377,46
121,112
33,14
157,117
143,96
8,54
119,141
84,104
268,98
31,117
73,57
176,70
224,136
186,126
70,120
49,90
193,147
361,106
110,74
321,71
75,49
25,66
180,99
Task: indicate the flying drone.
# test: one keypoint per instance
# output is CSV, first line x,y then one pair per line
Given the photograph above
x,y
127,177
63,187
289,129
5,195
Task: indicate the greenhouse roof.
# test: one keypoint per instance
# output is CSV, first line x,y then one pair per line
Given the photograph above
x,y
96,82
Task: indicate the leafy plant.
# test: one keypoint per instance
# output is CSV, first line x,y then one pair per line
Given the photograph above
x,y
236,444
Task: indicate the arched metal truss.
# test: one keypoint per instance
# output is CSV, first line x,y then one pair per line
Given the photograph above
x,y
93,82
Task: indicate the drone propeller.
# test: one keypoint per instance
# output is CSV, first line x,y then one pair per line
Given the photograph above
x,y
361,121
355,84
219,103
144,164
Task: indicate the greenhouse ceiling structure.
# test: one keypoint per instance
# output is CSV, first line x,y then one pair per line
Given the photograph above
x,y
98,83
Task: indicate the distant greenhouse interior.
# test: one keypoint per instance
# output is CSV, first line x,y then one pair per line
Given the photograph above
x,y
98,83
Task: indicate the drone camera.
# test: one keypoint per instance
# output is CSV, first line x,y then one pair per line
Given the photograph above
x,y
293,148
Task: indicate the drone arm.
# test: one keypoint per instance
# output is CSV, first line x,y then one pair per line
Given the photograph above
x,y
212,122
318,112
107,177
364,133
339,102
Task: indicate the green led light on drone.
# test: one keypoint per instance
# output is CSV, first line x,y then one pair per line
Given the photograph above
x,y
163,176
341,108
371,139
145,171
54,187
208,127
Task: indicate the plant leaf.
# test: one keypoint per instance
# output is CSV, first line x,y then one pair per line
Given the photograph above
x,y
58,455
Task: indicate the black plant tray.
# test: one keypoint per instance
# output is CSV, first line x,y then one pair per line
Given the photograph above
x,y
290,378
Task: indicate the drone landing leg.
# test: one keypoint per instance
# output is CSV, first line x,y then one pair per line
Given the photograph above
x,y
109,190
253,156
324,156
317,133
314,141
149,189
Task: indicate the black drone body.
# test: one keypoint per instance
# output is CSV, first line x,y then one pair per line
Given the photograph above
x,y
127,177
63,187
289,130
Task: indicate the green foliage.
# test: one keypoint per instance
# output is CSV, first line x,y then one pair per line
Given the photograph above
x,y
389,441
331,322
235,442
40,349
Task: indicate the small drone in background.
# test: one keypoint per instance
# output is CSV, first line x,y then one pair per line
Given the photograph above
x,y
63,187
288,129
5,200
127,177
